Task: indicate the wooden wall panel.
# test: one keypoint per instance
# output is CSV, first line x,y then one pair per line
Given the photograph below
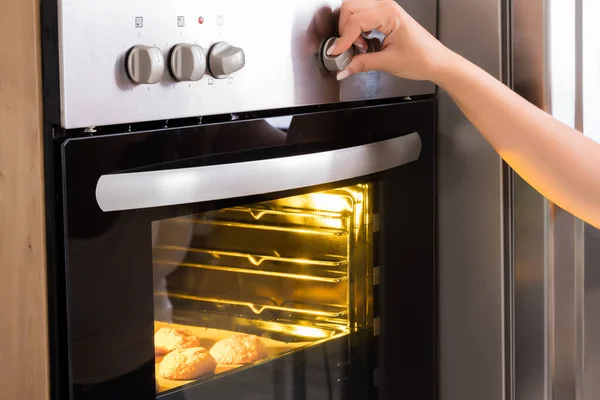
x,y
23,313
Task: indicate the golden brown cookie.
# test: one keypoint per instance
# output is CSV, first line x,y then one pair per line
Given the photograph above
x,y
238,349
187,364
167,339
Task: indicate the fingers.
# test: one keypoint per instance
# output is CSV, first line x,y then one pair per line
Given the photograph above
x,y
358,23
364,16
366,62
361,44
350,7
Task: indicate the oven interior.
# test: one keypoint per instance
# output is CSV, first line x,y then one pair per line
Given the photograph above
x,y
293,272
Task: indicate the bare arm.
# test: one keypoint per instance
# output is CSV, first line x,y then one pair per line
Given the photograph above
x,y
558,161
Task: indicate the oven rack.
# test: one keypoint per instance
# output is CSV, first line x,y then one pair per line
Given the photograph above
x,y
303,229
333,270
256,272
336,203
258,213
327,311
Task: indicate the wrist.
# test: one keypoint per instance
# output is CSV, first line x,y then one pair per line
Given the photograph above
x,y
445,68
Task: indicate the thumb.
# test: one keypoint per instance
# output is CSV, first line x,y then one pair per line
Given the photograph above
x,y
365,62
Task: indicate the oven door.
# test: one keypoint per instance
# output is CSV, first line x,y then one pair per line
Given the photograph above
x,y
284,258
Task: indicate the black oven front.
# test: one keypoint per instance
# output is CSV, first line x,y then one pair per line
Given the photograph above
x,y
226,220
278,258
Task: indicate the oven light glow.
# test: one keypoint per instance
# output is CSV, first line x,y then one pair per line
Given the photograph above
x,y
308,332
331,203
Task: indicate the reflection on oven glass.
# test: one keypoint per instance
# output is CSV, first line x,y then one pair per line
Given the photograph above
x,y
281,123
243,285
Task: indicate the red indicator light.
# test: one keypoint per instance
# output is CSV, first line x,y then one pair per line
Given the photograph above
x,y
200,20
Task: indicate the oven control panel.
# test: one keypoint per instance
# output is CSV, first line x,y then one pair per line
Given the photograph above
x,y
145,60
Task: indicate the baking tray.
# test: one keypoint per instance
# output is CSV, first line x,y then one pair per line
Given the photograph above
x,y
208,337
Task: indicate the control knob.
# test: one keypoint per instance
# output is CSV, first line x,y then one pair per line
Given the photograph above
x,y
339,62
188,62
225,59
145,64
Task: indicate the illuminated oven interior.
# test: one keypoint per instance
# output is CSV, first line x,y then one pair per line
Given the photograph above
x,y
242,285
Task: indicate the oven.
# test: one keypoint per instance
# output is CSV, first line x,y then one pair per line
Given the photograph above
x,y
230,221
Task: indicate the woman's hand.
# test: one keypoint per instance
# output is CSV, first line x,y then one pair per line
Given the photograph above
x,y
558,161
409,50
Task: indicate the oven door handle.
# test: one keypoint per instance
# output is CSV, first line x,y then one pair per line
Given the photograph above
x,y
129,191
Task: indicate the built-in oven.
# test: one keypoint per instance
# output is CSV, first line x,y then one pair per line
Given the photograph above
x,y
255,231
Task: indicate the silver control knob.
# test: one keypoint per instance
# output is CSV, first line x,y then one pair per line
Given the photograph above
x,y
225,59
145,64
188,62
339,62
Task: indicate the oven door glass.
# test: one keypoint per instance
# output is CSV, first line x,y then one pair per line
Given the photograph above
x,y
245,284
246,260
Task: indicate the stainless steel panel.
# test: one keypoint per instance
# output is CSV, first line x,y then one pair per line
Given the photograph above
x,y
129,191
280,39
470,205
591,127
548,241
591,307
531,214
564,324
531,218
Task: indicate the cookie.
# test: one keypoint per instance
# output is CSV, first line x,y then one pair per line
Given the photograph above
x,y
167,339
238,349
187,364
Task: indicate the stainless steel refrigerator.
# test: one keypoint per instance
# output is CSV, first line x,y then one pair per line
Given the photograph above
x,y
519,277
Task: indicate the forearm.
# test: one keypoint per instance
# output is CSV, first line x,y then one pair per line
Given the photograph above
x,y
561,163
